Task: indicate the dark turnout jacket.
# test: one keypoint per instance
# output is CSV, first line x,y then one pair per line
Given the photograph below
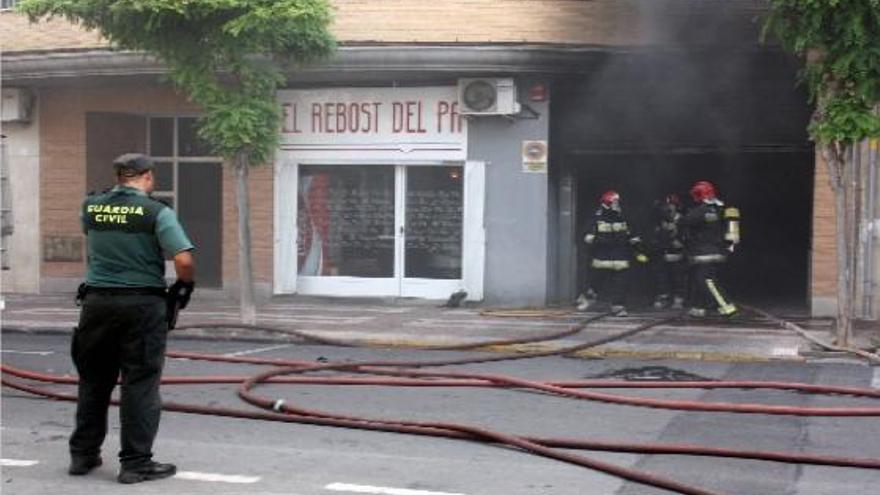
x,y
610,239
705,226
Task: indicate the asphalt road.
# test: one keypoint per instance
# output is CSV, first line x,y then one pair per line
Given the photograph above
x,y
221,456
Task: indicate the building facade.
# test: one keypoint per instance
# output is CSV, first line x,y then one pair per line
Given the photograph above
x,y
393,177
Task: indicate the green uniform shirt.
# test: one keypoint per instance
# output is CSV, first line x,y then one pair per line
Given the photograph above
x,y
127,234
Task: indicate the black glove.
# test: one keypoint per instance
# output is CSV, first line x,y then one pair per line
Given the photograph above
x,y
180,292
81,294
177,299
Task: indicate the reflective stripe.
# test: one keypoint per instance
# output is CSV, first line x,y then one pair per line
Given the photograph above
x,y
673,257
732,234
635,240
589,238
611,264
708,258
731,213
724,307
604,227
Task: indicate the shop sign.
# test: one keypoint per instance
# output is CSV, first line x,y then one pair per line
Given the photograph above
x,y
393,120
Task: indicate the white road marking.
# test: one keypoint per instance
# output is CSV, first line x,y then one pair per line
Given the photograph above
x,y
256,351
875,382
34,353
381,490
785,351
17,462
222,478
47,311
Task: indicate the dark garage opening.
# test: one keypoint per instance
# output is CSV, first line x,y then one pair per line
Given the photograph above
x,y
650,124
772,190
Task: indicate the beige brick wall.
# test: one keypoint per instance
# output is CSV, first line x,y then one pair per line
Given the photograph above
x,y
581,22
63,173
824,264
63,155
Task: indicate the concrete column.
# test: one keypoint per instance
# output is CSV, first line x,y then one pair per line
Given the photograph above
x,y
23,154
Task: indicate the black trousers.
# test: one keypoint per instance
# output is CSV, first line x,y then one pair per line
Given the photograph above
x,y
706,292
670,277
609,284
119,335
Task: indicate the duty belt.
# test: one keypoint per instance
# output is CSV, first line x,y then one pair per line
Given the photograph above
x,y
126,291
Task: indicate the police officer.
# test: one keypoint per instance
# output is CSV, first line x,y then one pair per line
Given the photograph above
x,y
712,234
124,318
667,243
612,246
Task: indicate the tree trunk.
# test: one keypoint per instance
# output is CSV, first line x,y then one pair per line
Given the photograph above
x,y
835,158
245,265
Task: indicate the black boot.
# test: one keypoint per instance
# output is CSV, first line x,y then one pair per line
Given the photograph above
x,y
151,471
83,464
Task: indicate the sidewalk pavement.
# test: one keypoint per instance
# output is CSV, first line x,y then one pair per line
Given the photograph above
x,y
414,323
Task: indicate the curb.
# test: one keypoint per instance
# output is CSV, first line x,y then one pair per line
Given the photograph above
x,y
606,351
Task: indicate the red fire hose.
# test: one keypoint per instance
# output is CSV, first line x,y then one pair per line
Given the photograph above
x,y
404,374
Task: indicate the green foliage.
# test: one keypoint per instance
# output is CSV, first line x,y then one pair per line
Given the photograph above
x,y
224,54
841,41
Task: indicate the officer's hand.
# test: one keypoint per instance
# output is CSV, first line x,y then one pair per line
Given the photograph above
x,y
181,291
641,258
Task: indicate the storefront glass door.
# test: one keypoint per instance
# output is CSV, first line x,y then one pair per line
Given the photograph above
x,y
433,226
380,230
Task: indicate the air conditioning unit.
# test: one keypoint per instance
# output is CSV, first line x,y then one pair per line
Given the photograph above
x,y
16,105
487,96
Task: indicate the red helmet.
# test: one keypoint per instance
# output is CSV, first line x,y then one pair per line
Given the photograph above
x,y
672,199
702,191
610,197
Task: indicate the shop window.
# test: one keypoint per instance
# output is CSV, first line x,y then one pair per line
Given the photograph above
x,y
346,221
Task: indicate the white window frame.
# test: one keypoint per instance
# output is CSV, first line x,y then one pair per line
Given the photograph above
x,y
288,281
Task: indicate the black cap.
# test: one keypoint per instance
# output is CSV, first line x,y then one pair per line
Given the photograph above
x,y
132,164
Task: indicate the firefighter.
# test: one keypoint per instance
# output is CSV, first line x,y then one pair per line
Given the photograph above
x,y
668,267
712,233
612,246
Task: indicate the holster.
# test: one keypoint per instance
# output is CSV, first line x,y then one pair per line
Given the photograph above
x,y
172,308
80,294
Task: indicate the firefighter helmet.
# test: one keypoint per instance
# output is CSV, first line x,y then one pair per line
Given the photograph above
x,y
610,198
702,191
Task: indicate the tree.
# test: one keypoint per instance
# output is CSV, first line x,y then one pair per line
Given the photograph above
x,y
227,57
840,41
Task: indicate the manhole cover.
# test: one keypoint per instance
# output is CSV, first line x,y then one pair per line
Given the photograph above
x,y
652,374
